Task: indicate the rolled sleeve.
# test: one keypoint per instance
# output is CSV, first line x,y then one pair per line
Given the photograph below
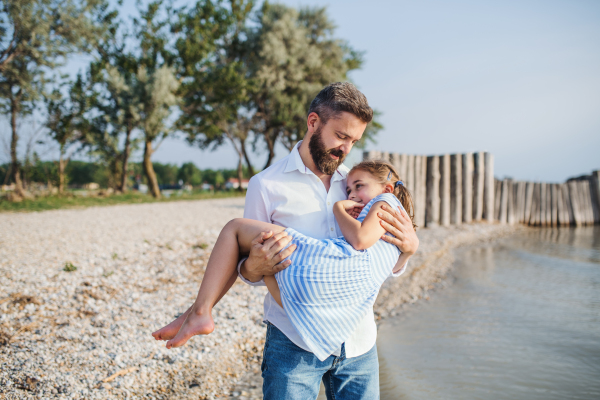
x,y
397,274
257,283
255,208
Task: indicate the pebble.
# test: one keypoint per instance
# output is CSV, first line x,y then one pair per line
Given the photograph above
x,y
62,334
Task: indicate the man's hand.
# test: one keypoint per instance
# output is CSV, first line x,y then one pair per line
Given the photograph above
x,y
398,223
352,207
266,257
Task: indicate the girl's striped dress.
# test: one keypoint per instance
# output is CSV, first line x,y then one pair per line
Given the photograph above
x,y
330,286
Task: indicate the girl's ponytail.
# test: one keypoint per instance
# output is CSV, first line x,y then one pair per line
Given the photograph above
x,y
403,194
386,173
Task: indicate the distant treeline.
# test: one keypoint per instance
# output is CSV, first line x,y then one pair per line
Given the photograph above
x,y
79,173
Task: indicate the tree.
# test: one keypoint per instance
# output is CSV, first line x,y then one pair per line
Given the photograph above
x,y
115,74
190,174
20,85
66,122
293,55
37,35
216,105
158,82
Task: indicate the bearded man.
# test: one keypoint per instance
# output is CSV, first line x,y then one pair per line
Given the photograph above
x,y
299,192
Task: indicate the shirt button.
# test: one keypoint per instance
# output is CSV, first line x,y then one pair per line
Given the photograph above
x,y
331,229
328,203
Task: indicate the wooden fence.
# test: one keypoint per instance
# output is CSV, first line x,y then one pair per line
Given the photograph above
x,y
452,189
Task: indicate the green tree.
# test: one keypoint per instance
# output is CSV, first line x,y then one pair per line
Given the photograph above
x,y
66,122
115,74
294,54
157,82
190,174
215,106
37,35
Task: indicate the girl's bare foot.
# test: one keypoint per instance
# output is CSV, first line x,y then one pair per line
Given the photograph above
x,y
195,324
169,331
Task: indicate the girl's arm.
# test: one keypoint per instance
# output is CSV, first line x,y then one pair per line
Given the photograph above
x,y
360,236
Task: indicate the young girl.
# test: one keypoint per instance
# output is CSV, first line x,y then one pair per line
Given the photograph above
x,y
330,284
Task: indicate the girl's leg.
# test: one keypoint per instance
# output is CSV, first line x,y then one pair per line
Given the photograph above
x,y
273,287
235,239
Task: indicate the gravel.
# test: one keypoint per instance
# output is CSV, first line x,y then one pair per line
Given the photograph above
x,y
82,290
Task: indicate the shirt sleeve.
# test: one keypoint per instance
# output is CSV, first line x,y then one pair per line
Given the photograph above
x,y
255,208
397,274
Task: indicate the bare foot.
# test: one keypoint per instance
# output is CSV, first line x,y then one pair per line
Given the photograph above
x,y
195,324
169,331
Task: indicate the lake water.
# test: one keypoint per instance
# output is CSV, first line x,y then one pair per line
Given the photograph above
x,y
520,319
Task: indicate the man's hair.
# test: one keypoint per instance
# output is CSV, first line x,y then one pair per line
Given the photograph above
x,y
338,97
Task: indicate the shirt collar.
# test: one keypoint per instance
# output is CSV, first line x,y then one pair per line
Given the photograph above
x,y
295,162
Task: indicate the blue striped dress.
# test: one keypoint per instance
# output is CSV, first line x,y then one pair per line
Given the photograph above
x,y
330,286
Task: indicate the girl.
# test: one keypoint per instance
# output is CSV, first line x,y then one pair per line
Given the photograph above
x,y
330,283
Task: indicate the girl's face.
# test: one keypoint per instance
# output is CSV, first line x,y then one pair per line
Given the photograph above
x,y
362,187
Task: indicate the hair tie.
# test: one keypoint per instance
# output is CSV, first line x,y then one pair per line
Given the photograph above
x,y
389,175
398,183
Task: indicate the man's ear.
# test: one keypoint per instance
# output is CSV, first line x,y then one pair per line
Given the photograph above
x,y
389,188
312,122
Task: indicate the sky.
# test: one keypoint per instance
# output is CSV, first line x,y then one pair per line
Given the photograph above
x,y
520,79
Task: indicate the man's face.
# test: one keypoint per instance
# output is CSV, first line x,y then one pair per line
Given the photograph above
x,y
330,143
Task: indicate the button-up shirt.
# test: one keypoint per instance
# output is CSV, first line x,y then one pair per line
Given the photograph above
x,y
290,195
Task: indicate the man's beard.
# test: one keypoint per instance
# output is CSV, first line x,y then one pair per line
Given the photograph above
x,y
321,155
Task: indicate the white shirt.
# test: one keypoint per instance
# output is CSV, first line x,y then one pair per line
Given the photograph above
x,y
289,194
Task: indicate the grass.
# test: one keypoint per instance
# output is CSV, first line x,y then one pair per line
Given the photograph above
x,y
72,201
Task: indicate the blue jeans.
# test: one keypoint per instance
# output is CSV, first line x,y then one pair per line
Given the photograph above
x,y
291,373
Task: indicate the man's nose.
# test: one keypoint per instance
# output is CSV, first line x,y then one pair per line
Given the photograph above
x,y
345,148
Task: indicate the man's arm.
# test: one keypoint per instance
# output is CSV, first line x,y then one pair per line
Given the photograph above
x,y
398,223
265,256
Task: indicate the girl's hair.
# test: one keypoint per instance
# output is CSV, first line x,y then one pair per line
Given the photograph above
x,y
385,173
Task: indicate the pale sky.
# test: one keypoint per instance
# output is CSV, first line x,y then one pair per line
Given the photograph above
x,y
520,79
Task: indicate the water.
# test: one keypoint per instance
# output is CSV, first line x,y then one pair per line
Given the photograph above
x,y
520,320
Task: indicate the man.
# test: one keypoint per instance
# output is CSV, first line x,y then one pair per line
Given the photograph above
x,y
299,192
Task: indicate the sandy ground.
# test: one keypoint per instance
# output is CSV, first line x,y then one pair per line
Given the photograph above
x,y
85,334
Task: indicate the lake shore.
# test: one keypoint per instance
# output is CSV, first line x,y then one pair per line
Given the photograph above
x,y
82,290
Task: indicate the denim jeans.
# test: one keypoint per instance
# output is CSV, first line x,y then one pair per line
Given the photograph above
x,y
291,373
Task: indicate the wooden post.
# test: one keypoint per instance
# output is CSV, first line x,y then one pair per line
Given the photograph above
x,y
595,188
510,209
587,202
399,162
418,196
520,202
528,201
371,155
445,190
554,204
467,169
385,156
560,206
574,198
534,205
548,204
422,189
497,196
410,175
456,189
542,212
432,212
488,188
504,202
569,204
478,183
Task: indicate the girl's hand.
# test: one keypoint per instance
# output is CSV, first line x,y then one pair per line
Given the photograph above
x,y
352,208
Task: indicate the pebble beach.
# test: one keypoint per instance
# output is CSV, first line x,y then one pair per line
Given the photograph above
x,y
82,290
